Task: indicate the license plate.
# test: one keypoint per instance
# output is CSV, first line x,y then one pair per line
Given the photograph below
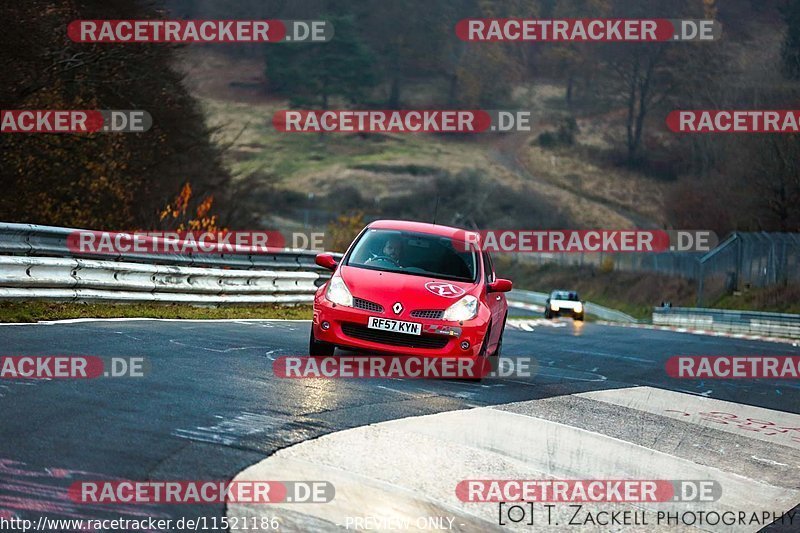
x,y
397,326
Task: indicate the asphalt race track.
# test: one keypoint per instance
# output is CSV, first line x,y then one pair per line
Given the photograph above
x,y
210,406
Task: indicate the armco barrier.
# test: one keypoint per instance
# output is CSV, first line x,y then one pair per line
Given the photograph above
x,y
535,301
49,241
56,278
35,263
753,322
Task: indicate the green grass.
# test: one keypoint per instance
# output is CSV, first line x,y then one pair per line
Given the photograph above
x,y
256,147
36,311
778,299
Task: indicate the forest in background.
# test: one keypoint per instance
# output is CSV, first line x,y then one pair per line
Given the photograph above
x,y
395,55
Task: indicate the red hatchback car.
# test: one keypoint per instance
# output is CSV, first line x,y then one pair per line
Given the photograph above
x,y
411,288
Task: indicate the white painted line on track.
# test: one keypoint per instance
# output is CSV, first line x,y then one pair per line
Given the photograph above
x,y
133,319
610,355
528,324
231,431
215,350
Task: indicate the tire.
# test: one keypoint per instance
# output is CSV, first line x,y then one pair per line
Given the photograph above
x,y
579,317
484,353
547,314
485,344
498,351
319,349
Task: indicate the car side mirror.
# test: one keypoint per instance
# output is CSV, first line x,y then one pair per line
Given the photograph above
x,y
326,261
500,285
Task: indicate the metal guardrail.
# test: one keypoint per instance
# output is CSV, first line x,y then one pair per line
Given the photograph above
x,y
753,322
44,241
525,299
36,263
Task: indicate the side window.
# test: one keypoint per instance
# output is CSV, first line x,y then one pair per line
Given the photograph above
x,y
488,269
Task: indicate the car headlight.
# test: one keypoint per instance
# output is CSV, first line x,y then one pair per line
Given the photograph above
x,y
338,292
578,308
554,307
464,309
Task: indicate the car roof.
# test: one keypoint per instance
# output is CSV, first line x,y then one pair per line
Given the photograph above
x,y
421,227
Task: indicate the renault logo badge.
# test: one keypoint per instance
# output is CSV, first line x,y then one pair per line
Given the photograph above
x,y
397,308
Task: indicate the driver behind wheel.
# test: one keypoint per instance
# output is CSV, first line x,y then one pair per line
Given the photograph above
x,y
390,253
393,248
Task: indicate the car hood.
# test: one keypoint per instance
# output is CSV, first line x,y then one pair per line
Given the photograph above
x,y
414,292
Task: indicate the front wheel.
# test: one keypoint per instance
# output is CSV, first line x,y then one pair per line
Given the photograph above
x,y
318,348
483,355
579,317
498,350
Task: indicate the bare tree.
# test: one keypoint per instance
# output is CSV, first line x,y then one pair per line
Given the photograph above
x,y
642,76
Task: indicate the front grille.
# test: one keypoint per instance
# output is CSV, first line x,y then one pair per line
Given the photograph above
x,y
360,303
357,331
428,313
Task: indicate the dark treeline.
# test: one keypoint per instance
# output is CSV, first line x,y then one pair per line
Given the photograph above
x,y
404,53
104,181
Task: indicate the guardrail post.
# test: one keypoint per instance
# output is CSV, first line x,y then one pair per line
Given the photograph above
x,y
700,282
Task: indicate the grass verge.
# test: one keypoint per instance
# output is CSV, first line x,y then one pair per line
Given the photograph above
x,y
634,293
778,299
36,311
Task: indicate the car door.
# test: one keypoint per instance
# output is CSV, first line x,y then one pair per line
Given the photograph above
x,y
495,300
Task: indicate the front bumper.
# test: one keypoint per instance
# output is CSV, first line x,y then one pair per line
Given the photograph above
x,y
566,311
348,329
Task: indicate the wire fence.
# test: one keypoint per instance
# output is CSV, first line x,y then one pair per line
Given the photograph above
x,y
742,261
681,264
746,260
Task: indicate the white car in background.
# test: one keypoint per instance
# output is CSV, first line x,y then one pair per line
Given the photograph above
x,y
564,303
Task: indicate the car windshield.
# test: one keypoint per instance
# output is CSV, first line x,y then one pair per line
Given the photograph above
x,y
417,254
565,295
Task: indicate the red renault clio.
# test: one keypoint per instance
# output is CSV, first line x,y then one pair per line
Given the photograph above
x,y
411,288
